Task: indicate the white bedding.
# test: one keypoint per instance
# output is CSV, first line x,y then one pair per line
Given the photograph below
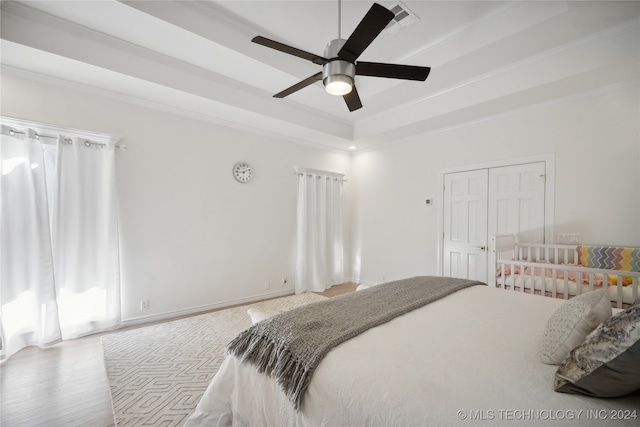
x,y
468,359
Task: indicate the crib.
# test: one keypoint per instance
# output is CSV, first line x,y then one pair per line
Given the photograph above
x,y
564,271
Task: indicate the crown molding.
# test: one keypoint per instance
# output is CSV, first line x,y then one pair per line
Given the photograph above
x,y
244,125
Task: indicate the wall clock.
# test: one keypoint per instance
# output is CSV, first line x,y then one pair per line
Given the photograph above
x,y
242,172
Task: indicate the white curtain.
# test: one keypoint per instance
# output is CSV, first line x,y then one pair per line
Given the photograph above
x,y
59,248
319,254
28,309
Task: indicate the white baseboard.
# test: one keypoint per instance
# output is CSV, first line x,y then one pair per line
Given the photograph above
x,y
203,308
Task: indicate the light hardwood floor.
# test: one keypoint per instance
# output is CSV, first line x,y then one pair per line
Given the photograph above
x,y
66,384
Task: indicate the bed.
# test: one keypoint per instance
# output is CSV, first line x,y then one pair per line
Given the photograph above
x,y
469,358
564,271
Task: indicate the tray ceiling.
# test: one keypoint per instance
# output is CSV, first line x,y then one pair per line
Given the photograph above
x,y
196,58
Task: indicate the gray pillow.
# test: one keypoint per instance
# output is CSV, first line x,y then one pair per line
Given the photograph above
x,y
607,363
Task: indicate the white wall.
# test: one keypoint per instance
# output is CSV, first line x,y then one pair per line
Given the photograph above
x,y
595,141
191,236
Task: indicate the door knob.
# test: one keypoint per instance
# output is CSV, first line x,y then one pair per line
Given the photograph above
x,y
480,248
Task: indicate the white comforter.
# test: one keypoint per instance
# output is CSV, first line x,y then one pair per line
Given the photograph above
x,y
468,359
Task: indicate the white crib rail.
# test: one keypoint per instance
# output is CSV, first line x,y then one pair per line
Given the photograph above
x,y
535,278
556,254
512,259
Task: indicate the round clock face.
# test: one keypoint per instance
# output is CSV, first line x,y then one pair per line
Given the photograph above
x,y
242,172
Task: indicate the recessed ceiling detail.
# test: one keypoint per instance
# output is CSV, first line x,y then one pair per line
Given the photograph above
x,y
196,59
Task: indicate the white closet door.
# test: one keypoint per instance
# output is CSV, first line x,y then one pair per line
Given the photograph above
x,y
482,202
465,225
516,201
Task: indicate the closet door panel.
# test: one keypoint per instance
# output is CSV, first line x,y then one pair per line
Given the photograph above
x,y
465,225
516,201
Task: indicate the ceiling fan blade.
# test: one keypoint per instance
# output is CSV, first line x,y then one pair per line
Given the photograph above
x,y
392,71
353,100
296,87
367,30
290,50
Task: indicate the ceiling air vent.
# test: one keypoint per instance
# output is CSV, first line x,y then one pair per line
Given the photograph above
x,y
404,17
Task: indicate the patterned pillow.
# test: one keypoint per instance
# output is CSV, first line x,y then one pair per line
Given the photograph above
x,y
607,364
571,323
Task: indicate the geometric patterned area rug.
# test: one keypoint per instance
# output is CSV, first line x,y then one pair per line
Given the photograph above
x,y
157,374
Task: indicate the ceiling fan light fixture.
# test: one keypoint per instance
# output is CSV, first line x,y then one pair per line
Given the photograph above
x,y
337,77
338,85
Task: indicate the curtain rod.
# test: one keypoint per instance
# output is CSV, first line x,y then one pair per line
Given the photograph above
x,y
298,169
86,142
45,129
321,176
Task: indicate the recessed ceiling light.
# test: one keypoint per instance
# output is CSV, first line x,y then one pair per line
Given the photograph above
x,y
352,147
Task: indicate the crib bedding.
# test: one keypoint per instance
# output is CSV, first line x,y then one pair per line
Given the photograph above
x,y
467,358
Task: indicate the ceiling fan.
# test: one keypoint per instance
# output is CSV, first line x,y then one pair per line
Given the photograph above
x,y
340,65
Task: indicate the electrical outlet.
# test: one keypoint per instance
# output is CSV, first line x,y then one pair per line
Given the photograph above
x,y
144,304
267,285
284,281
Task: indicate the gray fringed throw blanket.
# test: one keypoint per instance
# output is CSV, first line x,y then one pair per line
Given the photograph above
x,y
290,345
